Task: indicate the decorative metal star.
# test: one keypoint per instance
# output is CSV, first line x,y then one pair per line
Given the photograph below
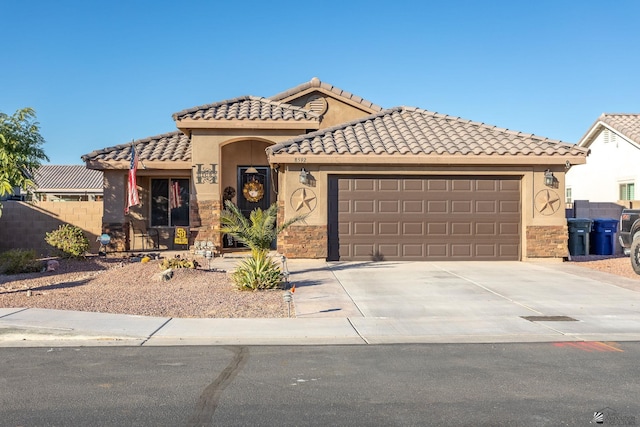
x,y
303,199
547,201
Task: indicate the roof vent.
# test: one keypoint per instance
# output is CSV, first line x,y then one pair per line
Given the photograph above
x,y
316,104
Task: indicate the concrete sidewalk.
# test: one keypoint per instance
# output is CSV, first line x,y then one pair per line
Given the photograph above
x,y
379,303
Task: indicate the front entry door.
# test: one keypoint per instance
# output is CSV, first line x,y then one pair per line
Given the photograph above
x,y
254,190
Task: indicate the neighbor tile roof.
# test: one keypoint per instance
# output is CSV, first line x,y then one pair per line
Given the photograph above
x,y
413,131
316,83
626,124
171,147
76,177
247,108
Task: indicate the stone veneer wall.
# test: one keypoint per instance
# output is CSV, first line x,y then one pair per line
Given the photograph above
x,y
547,241
304,241
206,213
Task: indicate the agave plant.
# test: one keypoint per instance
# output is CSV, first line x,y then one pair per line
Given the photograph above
x,y
258,232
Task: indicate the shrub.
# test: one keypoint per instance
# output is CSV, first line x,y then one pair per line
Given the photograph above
x,y
177,263
259,271
19,261
68,239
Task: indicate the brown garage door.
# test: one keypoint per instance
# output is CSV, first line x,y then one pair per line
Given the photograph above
x,y
424,218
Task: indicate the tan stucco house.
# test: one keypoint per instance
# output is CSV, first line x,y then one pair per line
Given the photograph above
x,y
395,184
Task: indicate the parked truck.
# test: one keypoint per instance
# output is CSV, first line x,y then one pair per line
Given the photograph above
x,y
629,236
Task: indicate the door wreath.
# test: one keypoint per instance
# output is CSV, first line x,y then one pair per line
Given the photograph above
x,y
253,191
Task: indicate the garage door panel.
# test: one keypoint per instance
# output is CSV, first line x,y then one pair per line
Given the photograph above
x,y
388,251
510,185
427,218
510,206
464,185
364,251
458,206
485,228
437,250
389,206
413,206
363,206
437,228
461,250
437,185
364,185
413,228
461,228
389,185
417,185
440,206
388,229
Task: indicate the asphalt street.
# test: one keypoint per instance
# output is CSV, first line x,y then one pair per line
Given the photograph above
x,y
528,384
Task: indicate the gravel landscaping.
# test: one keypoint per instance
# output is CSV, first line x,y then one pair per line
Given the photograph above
x,y
116,285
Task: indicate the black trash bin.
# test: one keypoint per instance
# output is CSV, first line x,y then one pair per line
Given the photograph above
x,y
579,229
603,236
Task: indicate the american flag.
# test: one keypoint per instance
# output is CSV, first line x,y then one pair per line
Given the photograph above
x,y
132,194
174,196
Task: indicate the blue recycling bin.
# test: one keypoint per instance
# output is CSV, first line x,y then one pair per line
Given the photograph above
x,y
603,236
579,229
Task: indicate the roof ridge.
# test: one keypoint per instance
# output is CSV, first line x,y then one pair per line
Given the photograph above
x,y
145,140
239,99
317,83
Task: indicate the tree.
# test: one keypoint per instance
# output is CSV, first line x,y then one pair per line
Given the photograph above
x,y
258,232
21,150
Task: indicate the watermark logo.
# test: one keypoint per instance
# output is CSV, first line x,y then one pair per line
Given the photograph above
x,y
608,416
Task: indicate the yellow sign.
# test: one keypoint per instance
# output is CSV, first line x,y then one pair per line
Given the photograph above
x,y
181,236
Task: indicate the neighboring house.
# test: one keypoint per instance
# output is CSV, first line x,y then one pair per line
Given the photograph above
x,y
394,184
612,170
58,183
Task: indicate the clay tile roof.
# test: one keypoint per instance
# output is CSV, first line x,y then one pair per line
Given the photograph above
x,y
626,124
246,108
68,177
413,131
171,147
316,83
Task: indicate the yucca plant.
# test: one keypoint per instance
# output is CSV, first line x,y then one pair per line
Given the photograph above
x,y
259,271
258,232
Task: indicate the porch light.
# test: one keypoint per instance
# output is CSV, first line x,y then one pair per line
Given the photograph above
x,y
549,179
304,176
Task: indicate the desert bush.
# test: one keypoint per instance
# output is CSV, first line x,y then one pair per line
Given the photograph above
x,y
177,263
69,240
17,261
259,271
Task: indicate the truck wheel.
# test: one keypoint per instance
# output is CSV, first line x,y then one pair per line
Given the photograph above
x,y
635,255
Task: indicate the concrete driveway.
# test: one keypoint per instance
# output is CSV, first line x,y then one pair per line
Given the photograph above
x,y
422,301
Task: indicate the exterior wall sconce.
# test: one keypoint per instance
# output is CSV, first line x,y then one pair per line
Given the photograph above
x,y
304,176
549,179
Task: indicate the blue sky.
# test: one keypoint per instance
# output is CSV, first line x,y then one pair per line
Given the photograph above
x,y
102,73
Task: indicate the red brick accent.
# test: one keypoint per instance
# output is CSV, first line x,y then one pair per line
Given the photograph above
x,y
303,241
550,241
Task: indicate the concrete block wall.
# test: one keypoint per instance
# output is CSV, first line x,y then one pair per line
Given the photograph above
x,y
23,225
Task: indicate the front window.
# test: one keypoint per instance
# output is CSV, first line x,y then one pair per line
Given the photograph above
x,y
169,202
627,191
